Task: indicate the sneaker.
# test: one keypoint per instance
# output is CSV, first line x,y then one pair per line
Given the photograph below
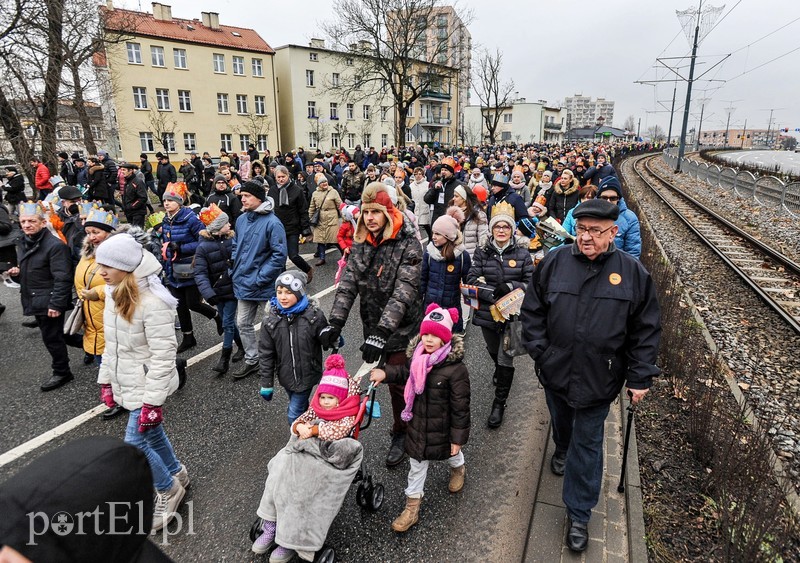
x,y
177,324
183,477
281,555
166,504
266,539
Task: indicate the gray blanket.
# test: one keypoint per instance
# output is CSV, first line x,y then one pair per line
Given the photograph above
x,y
307,483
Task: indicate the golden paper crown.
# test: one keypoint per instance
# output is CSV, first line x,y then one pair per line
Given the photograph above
x,y
518,168
208,214
448,161
179,188
504,208
31,208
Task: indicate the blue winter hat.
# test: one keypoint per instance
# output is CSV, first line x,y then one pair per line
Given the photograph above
x,y
609,183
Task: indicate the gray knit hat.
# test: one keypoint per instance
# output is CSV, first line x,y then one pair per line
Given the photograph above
x,y
293,280
220,178
121,252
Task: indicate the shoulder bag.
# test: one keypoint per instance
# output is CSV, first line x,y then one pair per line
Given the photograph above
x,y
76,318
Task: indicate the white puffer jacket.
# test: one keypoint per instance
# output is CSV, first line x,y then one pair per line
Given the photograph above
x,y
139,358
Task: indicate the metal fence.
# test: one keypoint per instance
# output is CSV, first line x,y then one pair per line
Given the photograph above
x,y
767,191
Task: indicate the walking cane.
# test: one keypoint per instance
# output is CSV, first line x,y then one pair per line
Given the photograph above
x,y
621,486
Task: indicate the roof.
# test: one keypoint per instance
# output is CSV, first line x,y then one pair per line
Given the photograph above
x,y
188,31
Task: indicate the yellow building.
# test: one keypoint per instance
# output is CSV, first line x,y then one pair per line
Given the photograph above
x,y
179,86
435,115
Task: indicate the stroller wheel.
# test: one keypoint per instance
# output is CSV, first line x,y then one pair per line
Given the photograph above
x,y
256,529
361,496
375,499
325,555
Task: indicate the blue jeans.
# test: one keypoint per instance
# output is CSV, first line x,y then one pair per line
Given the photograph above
x,y
579,432
298,404
227,310
156,446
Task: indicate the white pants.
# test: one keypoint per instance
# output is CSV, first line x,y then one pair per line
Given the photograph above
x,y
418,472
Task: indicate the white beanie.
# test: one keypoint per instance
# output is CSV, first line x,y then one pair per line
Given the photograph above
x,y
121,252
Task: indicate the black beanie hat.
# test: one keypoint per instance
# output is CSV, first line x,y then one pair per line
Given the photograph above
x,y
255,189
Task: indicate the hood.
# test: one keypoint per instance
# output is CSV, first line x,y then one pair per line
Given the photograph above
x,y
208,236
456,351
148,267
266,206
96,168
91,473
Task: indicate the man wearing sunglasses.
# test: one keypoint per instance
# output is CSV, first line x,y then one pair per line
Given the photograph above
x,y
591,322
629,237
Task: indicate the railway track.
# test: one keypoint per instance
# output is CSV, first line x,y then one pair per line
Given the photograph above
x,y
773,276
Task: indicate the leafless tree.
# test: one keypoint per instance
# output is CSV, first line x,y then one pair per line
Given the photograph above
x,y
494,96
630,123
319,127
161,123
391,51
255,125
656,133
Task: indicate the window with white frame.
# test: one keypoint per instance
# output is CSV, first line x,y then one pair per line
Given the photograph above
x,y
350,111
313,57
75,131
238,66
157,55
168,142
335,141
244,140
162,99
351,140
410,110
184,100
225,142
139,97
61,134
409,135
134,53
219,62
146,141
365,112
309,78
367,140
334,110
313,140
507,118
179,56
260,105
384,113
335,79
384,139
189,141
257,67
349,61
97,131
262,142
222,103
312,110
241,104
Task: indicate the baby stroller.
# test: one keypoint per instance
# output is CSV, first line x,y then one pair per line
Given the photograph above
x,y
369,494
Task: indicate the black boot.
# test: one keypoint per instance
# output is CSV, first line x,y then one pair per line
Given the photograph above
x,y
224,361
496,416
397,450
180,365
187,342
505,376
218,320
239,355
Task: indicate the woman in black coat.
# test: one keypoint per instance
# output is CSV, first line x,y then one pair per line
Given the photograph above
x,y
14,186
500,266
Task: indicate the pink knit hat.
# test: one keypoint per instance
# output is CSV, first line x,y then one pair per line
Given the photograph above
x,y
448,227
439,322
335,380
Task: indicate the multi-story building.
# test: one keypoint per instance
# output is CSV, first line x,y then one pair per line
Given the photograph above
x,y
434,117
582,111
739,138
520,122
177,85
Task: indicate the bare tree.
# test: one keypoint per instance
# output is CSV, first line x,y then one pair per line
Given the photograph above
x,y
255,125
493,95
656,133
161,124
471,134
319,127
630,123
390,51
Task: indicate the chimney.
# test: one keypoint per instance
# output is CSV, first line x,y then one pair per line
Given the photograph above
x,y
206,17
213,18
317,43
162,12
364,45
110,5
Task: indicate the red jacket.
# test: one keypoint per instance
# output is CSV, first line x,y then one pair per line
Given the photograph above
x,y
42,177
345,236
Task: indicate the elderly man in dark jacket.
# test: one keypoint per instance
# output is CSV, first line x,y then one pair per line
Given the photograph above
x,y
384,270
45,273
135,198
291,207
591,323
166,174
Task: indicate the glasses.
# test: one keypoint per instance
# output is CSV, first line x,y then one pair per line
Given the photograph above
x,y
502,227
611,198
594,232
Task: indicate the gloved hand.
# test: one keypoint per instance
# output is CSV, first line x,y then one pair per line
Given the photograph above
x,y
502,290
329,336
373,348
107,395
213,301
174,248
150,417
266,393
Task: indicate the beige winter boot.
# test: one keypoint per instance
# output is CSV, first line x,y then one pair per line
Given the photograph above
x,y
409,516
457,475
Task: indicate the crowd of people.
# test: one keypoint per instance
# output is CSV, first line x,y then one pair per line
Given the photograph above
x,y
428,241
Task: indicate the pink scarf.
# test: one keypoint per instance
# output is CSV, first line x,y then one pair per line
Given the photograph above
x,y
421,365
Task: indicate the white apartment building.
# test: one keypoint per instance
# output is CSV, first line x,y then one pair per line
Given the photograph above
x,y
582,111
520,122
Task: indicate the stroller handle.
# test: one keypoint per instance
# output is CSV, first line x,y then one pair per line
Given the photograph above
x,y
371,395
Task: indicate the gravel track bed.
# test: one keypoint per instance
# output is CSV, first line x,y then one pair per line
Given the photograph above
x,y
757,346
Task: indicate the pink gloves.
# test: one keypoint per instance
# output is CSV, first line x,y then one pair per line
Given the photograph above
x,y
107,395
150,417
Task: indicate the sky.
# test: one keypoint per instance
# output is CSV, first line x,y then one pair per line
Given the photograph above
x,y
599,49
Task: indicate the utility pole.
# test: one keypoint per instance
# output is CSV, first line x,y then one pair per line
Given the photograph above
x,y
744,132
682,146
672,112
769,127
639,130
730,109
700,126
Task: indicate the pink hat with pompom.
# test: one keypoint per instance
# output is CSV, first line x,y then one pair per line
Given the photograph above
x,y
335,380
439,322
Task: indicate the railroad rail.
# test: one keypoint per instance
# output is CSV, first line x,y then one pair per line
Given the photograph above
x,y
773,276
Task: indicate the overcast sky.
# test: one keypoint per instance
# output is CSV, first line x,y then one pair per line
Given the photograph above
x,y
596,49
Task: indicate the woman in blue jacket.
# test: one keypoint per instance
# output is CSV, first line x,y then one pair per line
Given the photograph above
x,y
181,233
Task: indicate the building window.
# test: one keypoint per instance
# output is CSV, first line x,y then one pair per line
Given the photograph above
x,y
313,57
349,61
505,136
162,99
507,118
334,110
134,53
75,131
241,104
157,56
312,110
310,78
384,113
222,103
244,140
261,105
366,111
335,81
367,141
410,110
189,141
262,142
97,132
238,66
350,111
146,140
335,141
179,56
168,142
384,139
219,63
184,100
313,139
139,97
257,67
351,140
409,135
225,142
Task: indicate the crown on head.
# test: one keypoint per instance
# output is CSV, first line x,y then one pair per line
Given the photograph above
x,y
208,214
31,208
518,168
449,161
97,215
154,219
86,208
179,188
503,208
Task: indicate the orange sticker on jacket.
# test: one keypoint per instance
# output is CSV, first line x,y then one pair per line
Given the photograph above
x,y
512,263
451,268
615,279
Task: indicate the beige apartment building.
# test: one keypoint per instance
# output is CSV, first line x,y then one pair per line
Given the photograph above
x,y
435,116
179,85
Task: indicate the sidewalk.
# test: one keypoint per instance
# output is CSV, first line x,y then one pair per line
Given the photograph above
x,y
616,530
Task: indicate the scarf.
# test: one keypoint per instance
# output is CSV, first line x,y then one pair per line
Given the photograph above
x,y
295,309
421,365
348,407
543,188
283,195
153,283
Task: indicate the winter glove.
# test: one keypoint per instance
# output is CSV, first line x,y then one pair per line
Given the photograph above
x,y
174,248
329,336
266,393
107,395
213,301
502,290
373,348
150,417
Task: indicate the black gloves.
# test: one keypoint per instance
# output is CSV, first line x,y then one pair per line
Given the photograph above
x,y
373,348
213,301
329,336
501,290
174,248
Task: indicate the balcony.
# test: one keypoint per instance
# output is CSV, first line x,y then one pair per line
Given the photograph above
x,y
436,95
552,126
430,121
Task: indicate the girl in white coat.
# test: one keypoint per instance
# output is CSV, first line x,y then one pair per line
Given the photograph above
x,y
138,370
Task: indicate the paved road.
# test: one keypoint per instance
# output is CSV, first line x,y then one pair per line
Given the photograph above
x,y
788,161
225,434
